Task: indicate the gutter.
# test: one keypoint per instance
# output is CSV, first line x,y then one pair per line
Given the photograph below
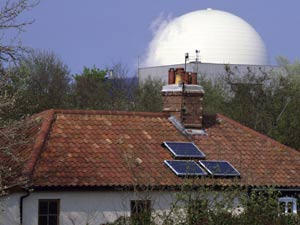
x,y
21,205
278,189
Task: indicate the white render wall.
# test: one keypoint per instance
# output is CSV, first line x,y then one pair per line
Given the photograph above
x,y
81,208
9,209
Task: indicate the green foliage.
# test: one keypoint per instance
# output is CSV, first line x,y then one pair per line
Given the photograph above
x,y
249,100
89,90
214,97
265,102
93,73
39,81
291,68
94,90
228,206
286,101
264,205
268,103
148,96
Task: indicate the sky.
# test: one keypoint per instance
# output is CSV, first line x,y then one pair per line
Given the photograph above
x,y
101,33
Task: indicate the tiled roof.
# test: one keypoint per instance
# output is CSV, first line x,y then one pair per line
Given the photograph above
x,y
103,148
19,147
260,159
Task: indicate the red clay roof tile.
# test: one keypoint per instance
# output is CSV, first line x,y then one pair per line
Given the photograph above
x,y
108,148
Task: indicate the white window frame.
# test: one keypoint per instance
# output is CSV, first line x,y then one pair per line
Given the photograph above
x,y
287,200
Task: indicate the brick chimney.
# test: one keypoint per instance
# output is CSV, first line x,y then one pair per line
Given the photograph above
x,y
182,98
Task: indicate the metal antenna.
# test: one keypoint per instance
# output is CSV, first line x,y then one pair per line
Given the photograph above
x,y
182,110
186,58
197,55
197,59
138,67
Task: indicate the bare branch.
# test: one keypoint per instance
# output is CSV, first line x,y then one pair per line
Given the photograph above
x,y
10,12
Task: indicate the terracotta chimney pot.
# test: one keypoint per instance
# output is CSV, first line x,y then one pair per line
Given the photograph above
x,y
171,76
194,78
184,101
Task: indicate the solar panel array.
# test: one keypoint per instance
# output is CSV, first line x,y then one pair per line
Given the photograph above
x,y
219,168
184,150
185,168
189,150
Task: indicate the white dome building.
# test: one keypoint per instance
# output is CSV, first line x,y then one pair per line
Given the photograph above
x,y
221,38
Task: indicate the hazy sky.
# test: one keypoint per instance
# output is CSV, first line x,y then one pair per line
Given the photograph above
x,y
101,32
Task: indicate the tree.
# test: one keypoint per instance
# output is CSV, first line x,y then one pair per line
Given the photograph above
x,y
249,99
122,88
89,91
12,137
265,102
11,27
286,101
10,47
15,139
291,68
7,98
41,80
215,97
106,89
148,96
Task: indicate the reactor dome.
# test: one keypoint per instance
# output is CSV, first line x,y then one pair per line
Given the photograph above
x,y
220,37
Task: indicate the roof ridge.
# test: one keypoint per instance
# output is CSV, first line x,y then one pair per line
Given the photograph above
x,y
254,132
109,112
39,142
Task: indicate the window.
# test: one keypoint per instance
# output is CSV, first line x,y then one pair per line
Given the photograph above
x,y
48,212
288,205
140,212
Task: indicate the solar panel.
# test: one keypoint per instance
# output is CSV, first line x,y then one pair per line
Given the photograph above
x,y
185,168
219,168
184,150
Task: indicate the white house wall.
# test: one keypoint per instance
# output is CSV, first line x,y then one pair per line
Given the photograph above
x,y
9,209
81,208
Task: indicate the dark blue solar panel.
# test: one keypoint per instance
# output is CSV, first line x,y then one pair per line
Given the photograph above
x,y
219,168
184,150
185,168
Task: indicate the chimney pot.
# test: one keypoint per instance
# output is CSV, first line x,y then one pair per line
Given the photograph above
x,y
171,76
184,101
179,70
194,78
186,78
179,73
190,78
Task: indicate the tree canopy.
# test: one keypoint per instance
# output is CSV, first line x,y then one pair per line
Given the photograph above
x,y
267,102
11,25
